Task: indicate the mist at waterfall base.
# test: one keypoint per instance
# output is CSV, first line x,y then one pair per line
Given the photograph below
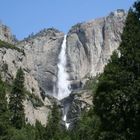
x,y
63,84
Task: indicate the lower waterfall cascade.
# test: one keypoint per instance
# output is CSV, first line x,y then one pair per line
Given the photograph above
x,y
65,120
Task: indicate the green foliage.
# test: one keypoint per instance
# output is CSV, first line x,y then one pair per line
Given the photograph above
x,y
34,99
53,130
16,100
87,128
9,46
18,130
91,83
3,102
4,114
25,133
117,95
39,132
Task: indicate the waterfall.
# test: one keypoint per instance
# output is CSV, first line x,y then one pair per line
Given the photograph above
x,y
65,120
62,81
63,89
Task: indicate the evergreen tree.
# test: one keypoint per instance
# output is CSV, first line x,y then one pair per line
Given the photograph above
x,y
3,102
16,100
53,130
40,131
118,93
87,128
4,125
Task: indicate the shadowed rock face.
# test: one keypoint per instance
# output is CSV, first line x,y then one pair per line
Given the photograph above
x,y
76,104
90,44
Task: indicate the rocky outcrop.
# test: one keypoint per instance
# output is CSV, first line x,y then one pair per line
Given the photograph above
x,y
77,103
90,44
82,101
6,34
33,113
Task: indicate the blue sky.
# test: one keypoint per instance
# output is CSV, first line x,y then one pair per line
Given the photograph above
x,y
27,16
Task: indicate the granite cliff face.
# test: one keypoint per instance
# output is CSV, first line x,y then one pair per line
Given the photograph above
x,y
37,55
89,47
90,44
41,57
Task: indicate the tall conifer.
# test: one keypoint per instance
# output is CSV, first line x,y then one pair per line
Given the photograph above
x,y
16,100
117,100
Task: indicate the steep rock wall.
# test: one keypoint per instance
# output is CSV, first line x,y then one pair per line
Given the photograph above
x,y
90,44
41,57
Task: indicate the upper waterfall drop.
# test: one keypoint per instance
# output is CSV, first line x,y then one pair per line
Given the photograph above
x,y
62,81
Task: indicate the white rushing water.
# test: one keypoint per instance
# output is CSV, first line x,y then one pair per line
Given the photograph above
x,y
65,120
62,79
62,83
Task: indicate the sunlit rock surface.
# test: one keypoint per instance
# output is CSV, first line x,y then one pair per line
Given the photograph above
x,y
90,44
6,34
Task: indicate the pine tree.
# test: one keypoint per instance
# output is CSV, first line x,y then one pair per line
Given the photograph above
x,y
3,101
118,93
4,122
16,100
39,131
53,130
